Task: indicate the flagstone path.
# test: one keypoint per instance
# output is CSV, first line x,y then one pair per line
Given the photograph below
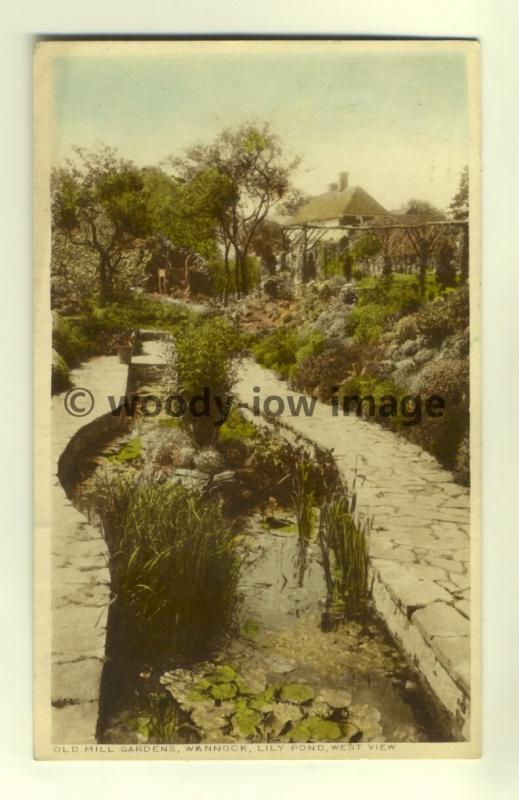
x,y
419,545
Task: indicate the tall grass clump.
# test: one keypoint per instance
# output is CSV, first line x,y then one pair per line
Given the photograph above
x,y
173,563
343,542
304,500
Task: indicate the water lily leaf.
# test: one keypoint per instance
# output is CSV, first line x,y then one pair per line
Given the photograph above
x,y
296,693
315,729
223,691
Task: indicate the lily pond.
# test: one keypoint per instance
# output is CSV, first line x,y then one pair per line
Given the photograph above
x,y
285,667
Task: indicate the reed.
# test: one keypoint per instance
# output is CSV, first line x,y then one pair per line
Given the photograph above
x,y
173,562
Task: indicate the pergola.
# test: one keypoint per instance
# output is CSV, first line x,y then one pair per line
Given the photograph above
x,y
423,236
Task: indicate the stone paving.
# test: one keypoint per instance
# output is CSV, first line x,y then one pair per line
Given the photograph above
x,y
79,569
419,545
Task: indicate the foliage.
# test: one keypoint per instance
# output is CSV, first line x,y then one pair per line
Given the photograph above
x,y
248,160
173,565
97,329
128,452
203,356
303,497
365,247
442,436
99,205
459,206
286,347
382,302
444,316
344,550
237,428
70,342
224,276
319,374
60,378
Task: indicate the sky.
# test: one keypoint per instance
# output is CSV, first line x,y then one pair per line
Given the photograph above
x,y
397,122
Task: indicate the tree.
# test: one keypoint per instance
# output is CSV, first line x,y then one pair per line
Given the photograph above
x,y
459,206
425,237
99,205
459,210
248,169
446,269
268,244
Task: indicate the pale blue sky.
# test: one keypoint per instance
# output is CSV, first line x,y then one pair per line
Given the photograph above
x,y
397,122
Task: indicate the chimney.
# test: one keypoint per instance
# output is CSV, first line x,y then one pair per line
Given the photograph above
x,y
343,181
333,187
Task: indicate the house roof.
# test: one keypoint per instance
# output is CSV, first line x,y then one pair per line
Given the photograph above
x,y
354,201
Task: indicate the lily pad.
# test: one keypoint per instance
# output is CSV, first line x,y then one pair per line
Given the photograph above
x,y
265,698
223,691
224,673
296,693
246,722
315,729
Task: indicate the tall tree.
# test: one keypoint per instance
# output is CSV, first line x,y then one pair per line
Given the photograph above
x,y
98,203
424,237
459,205
253,177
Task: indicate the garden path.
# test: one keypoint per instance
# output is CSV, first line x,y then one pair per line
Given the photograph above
x,y
420,540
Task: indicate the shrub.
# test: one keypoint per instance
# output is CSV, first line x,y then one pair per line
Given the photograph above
x,y
203,356
173,564
282,349
318,374
69,342
444,316
237,428
60,378
443,436
462,462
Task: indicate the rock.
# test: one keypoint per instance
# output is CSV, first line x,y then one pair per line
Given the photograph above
x,y
224,477
208,460
190,477
337,698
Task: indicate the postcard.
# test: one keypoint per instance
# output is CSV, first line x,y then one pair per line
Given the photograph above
x,y
257,416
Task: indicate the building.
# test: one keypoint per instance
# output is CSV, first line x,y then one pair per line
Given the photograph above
x,y
319,231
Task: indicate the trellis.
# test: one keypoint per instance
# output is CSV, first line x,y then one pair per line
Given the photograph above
x,y
423,236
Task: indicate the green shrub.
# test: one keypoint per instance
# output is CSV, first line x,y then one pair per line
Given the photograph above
x,y
285,347
237,428
173,564
70,342
204,350
60,378
442,436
